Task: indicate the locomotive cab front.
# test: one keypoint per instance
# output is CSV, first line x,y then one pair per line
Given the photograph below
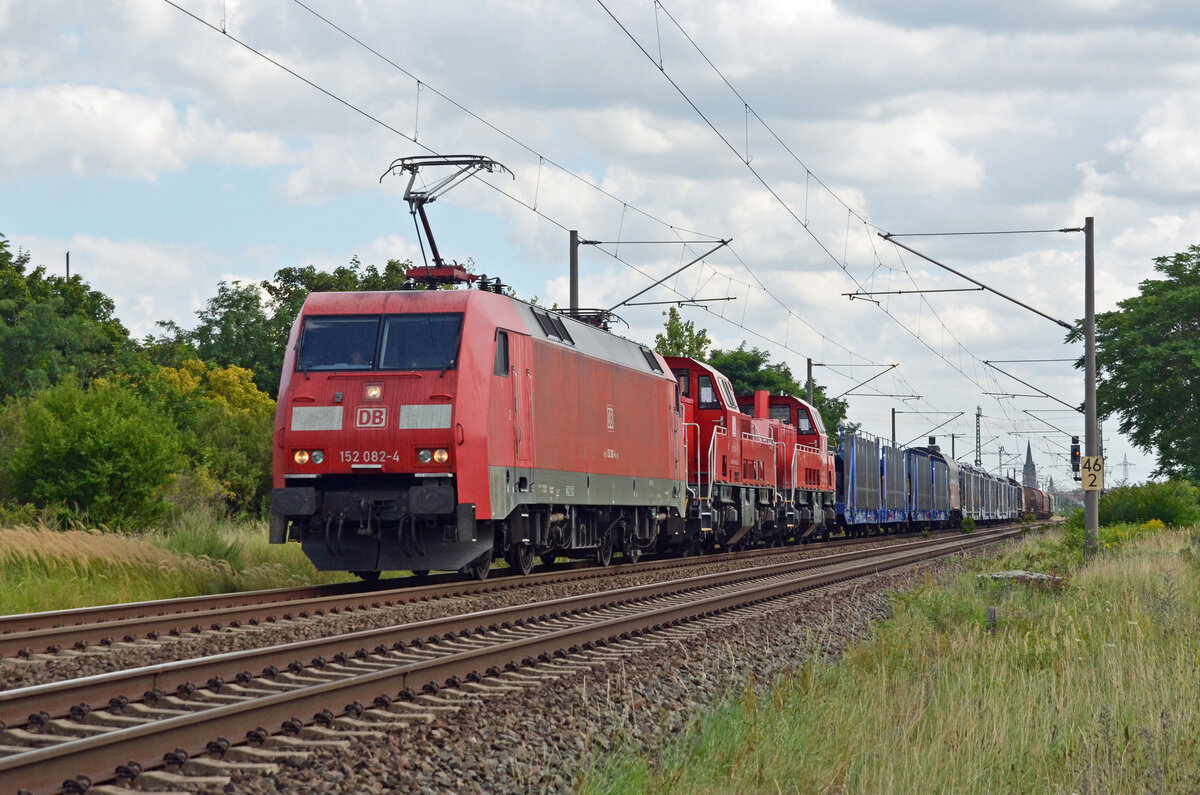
x,y
366,444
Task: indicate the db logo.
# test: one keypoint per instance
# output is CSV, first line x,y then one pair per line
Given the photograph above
x,y
371,417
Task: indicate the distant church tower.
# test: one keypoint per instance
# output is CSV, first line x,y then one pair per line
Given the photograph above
x,y
1029,475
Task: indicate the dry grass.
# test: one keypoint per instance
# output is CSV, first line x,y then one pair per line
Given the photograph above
x,y
1092,689
42,568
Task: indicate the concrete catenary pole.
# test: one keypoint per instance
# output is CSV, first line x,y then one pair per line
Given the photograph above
x,y
1091,499
574,273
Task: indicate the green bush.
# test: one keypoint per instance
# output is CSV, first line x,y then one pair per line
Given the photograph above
x,y
967,525
234,446
1175,503
102,453
1075,519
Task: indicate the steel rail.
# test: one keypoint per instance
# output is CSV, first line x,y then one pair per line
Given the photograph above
x,y
45,769
57,699
52,631
99,614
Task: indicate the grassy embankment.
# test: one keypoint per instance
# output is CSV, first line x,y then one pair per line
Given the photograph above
x,y
45,568
1091,688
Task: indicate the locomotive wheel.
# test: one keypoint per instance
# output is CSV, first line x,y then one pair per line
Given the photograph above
x,y
367,576
520,557
420,572
548,559
478,569
604,551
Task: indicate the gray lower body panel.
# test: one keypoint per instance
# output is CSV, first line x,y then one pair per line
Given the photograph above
x,y
553,487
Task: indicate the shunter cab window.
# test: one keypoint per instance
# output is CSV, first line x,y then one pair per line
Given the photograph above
x,y
727,391
781,413
804,426
818,422
684,378
708,395
367,342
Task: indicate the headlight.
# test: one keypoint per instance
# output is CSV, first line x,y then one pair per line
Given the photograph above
x,y
425,456
300,456
318,456
373,392
441,456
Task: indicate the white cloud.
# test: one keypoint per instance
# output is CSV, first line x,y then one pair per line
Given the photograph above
x,y
89,131
148,280
1163,152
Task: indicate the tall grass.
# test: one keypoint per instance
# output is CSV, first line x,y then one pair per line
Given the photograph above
x,y
45,567
1089,689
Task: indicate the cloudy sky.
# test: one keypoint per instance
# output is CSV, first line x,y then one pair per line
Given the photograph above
x,y
163,148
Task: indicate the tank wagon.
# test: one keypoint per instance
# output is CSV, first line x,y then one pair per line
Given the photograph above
x,y
436,429
1038,503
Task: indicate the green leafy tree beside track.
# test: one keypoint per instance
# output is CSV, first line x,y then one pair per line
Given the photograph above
x,y
1148,365
751,369
748,369
52,328
680,338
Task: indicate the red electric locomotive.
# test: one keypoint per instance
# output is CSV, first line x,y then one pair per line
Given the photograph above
x,y
433,429
767,477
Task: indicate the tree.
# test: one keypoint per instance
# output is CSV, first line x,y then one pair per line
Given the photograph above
x,y
236,329
225,423
680,338
52,328
1148,365
291,286
748,370
751,369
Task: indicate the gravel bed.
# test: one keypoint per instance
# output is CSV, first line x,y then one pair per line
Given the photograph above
x,y
543,738
70,664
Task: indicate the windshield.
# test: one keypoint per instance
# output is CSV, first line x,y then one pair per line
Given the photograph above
x,y
338,343
368,342
420,342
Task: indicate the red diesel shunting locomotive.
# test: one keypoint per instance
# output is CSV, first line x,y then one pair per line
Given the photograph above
x,y
759,467
428,429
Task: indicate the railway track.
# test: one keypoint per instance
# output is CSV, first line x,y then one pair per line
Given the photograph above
x,y
72,733
27,635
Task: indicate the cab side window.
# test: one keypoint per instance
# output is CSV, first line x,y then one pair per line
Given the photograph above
x,y
707,393
501,367
684,378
